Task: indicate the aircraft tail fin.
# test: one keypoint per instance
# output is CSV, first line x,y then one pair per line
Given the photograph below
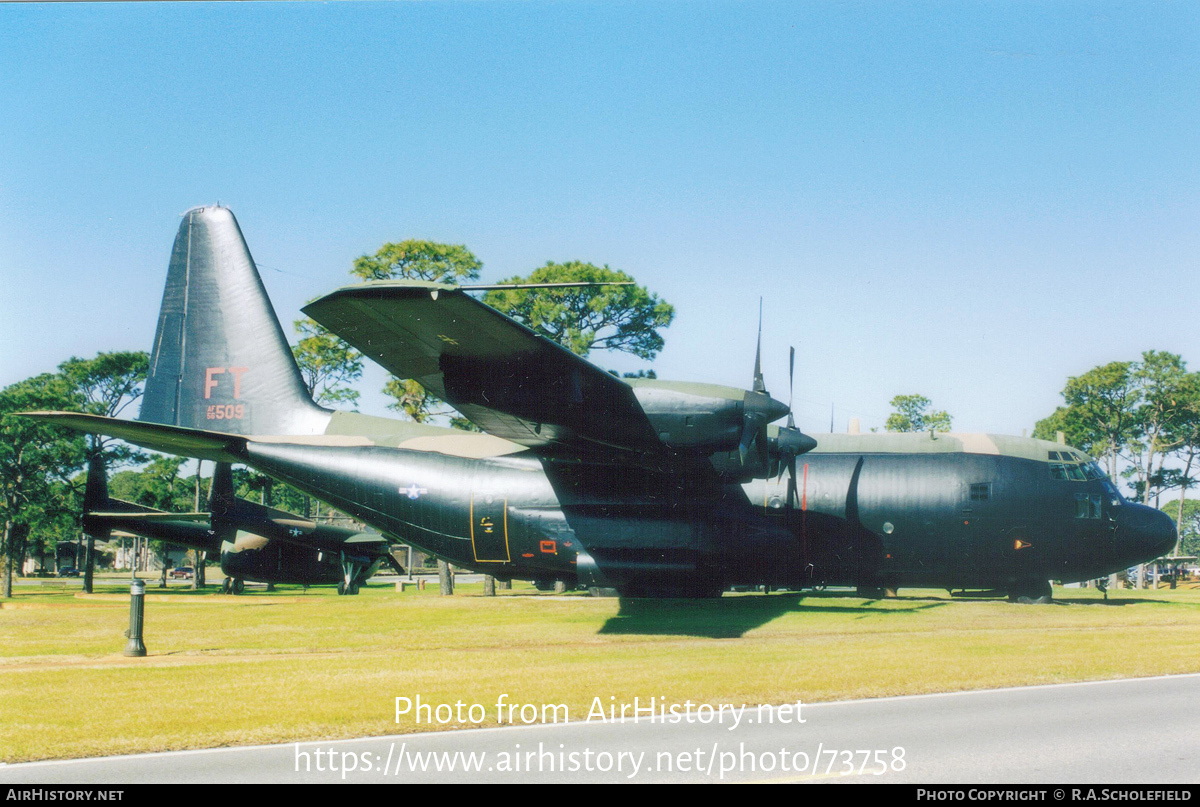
x,y
222,502
95,491
220,360
95,498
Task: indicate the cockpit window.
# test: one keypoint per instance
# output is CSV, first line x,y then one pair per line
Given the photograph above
x,y
1075,472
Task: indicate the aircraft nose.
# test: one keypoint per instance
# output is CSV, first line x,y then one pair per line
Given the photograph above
x,y
1147,531
1162,533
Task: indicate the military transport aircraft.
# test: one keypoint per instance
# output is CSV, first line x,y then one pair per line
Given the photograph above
x,y
253,542
650,487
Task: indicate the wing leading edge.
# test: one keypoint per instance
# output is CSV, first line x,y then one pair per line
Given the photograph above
x,y
507,379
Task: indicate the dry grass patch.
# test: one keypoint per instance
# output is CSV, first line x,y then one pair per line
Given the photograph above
x,y
289,666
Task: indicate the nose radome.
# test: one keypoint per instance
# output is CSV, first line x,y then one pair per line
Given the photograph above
x,y
1161,533
1150,531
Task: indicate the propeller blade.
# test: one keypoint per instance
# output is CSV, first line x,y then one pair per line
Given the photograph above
x,y
750,431
791,384
759,385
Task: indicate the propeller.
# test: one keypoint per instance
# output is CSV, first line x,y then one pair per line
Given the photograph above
x,y
791,442
758,408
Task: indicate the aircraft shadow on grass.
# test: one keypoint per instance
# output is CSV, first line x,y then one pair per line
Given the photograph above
x,y
727,618
1112,602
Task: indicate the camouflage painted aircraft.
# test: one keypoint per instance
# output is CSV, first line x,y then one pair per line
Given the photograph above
x,y
648,487
253,542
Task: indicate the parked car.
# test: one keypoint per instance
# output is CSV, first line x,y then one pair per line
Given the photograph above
x,y
68,571
183,573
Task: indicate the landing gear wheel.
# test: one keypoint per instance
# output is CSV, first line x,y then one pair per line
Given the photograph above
x,y
353,589
238,586
227,585
342,587
1037,592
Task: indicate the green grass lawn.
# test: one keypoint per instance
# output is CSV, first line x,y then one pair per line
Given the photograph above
x,y
295,665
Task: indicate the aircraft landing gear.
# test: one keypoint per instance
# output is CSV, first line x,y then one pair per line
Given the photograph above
x,y
352,575
233,585
1032,592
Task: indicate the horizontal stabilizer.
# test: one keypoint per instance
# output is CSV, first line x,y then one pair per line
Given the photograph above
x,y
176,440
147,518
367,538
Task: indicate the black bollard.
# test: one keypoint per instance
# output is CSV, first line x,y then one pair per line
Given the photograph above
x,y
137,608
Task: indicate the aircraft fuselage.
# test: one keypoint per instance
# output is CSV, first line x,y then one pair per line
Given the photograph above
x,y
890,519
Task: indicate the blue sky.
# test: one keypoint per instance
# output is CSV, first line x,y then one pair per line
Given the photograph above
x,y
969,201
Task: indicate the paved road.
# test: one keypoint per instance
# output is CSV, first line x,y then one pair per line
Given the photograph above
x,y
1121,732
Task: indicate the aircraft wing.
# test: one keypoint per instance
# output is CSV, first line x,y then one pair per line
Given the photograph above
x,y
507,379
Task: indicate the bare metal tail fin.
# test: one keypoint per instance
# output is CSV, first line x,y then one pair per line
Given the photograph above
x,y
220,360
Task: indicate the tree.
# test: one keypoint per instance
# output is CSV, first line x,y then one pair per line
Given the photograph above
x,y
32,458
53,518
1137,415
107,385
625,318
1186,515
417,260
911,416
326,364
1188,432
159,485
1099,412
411,399
1162,381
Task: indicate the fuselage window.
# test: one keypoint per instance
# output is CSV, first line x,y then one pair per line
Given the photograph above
x,y
1087,505
980,491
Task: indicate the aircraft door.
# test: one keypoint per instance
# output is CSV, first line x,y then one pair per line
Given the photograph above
x,y
489,527
979,552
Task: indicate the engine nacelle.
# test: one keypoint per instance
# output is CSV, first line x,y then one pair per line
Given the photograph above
x,y
708,418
